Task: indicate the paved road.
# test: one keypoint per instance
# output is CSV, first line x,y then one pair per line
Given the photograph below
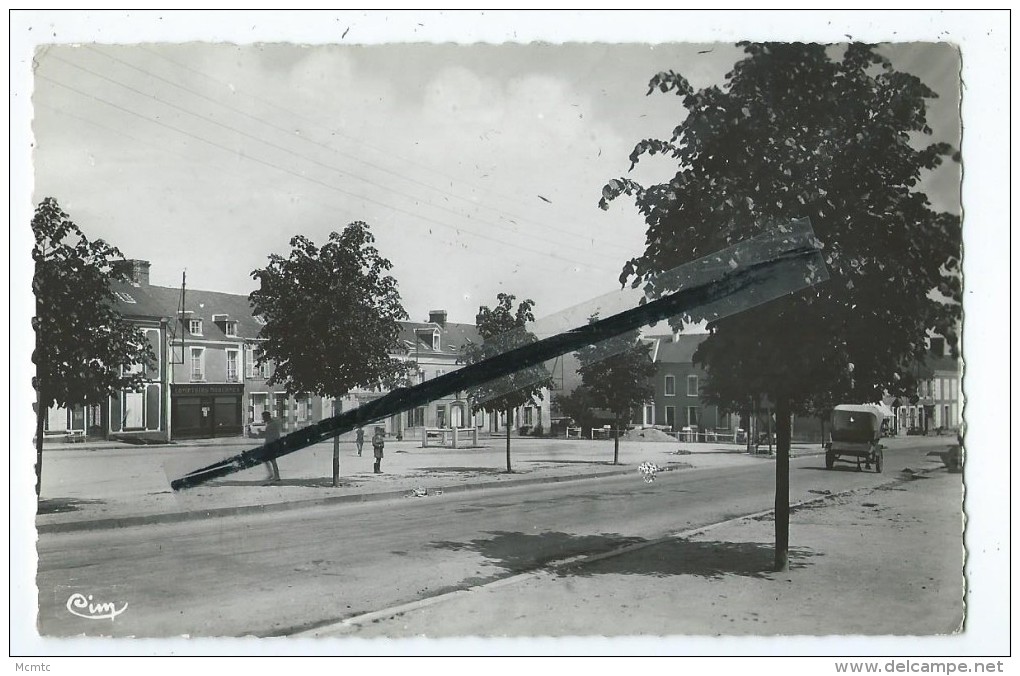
x,y
280,573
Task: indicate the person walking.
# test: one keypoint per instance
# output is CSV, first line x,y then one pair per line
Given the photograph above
x,y
271,433
360,439
378,442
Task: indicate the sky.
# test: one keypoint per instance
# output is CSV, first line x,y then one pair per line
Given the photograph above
x,y
229,150
478,167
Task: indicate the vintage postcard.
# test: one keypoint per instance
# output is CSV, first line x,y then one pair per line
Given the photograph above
x,y
477,327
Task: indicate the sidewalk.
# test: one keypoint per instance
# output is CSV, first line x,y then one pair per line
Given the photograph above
x,y
86,486
884,561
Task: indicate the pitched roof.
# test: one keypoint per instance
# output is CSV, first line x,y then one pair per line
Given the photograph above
x,y
146,300
678,349
452,336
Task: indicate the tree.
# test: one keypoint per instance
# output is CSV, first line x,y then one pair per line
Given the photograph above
x,y
332,318
501,329
618,374
84,349
801,130
577,405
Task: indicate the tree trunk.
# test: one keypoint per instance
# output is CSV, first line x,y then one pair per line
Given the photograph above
x,y
616,442
336,461
752,427
782,484
768,423
40,419
509,421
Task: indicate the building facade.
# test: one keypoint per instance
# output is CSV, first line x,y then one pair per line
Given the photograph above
x,y
207,381
676,404
937,406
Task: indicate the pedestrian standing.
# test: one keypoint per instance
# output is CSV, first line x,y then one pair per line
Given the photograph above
x,y
378,441
271,433
360,439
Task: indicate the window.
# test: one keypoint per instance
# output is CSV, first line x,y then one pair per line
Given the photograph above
x,y
259,404
670,386
671,417
440,416
197,364
133,411
230,328
195,327
649,416
124,296
416,417
693,416
233,372
529,414
263,369
303,403
692,386
435,341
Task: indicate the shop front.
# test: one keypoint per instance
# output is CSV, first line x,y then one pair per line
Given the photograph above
x,y
202,411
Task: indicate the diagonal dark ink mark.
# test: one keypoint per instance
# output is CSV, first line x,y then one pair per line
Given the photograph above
x,y
750,273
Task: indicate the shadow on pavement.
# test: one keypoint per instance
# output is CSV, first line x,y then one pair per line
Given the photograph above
x,y
58,505
519,552
475,470
685,557
557,461
322,482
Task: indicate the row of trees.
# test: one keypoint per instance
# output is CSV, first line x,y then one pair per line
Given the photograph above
x,y
332,317
795,131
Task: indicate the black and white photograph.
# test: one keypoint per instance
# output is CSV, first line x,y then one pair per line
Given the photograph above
x,y
421,332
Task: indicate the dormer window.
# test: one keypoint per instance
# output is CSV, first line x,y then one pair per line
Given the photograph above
x,y
230,328
195,327
428,338
124,296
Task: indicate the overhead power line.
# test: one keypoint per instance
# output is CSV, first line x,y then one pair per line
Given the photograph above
x,y
383,152
316,181
302,156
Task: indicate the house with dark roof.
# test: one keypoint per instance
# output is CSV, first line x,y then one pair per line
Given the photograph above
x,y
215,387
676,404
436,347
141,415
208,383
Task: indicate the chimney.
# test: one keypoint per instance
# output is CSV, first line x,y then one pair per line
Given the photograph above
x,y
438,317
479,317
136,271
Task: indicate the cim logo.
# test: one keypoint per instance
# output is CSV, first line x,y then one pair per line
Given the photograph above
x,y
82,606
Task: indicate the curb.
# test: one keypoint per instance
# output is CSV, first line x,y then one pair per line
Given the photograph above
x,y
178,517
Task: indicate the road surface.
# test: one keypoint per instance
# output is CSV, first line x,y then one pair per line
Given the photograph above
x,y
278,574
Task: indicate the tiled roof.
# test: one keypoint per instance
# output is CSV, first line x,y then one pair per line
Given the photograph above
x,y
452,337
160,301
678,349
